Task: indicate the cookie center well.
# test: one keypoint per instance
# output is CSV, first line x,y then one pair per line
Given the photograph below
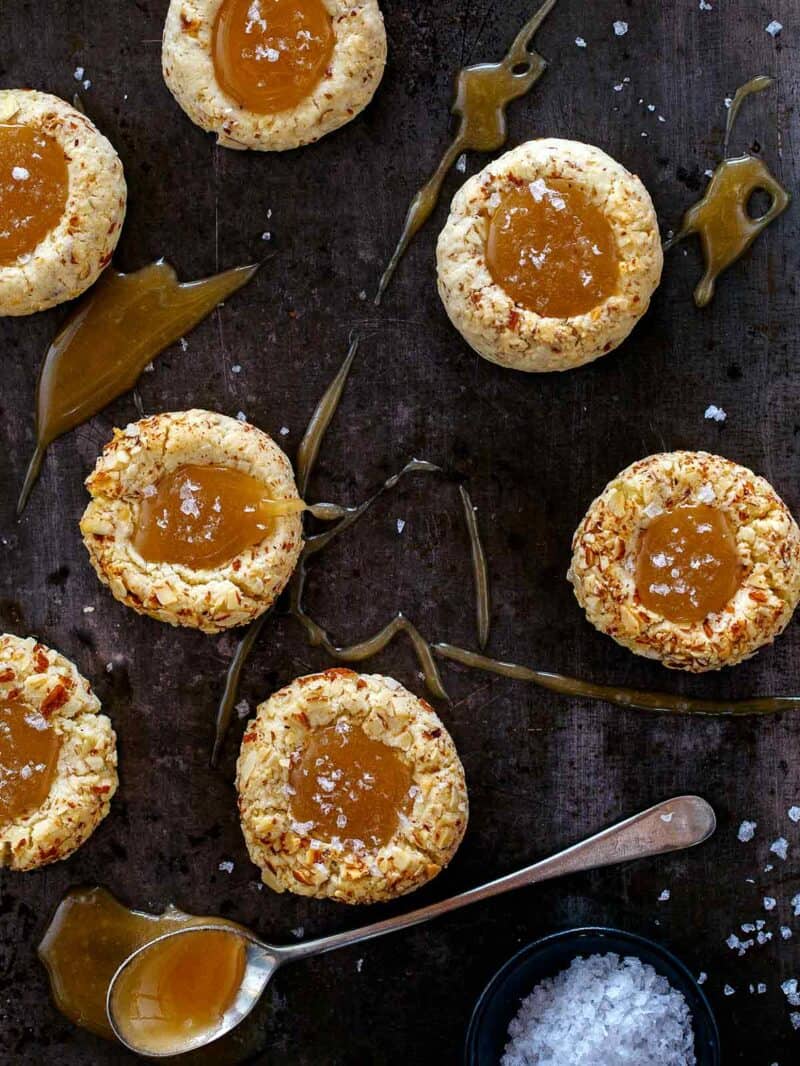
x,y
176,994
688,564
203,516
347,785
29,748
270,54
551,248
34,183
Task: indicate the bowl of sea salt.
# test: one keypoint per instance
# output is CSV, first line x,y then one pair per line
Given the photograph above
x,y
593,997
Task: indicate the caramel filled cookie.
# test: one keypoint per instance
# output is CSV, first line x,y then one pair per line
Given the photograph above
x,y
688,558
62,201
549,256
58,756
350,788
194,519
273,74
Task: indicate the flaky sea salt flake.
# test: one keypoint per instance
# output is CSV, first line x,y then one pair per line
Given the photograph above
x,y
774,28
620,28
747,830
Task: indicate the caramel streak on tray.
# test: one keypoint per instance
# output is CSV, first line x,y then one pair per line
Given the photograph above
x,y
483,92
721,219
109,339
637,699
480,570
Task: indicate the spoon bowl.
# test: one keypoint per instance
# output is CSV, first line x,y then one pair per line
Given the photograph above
x,y
673,825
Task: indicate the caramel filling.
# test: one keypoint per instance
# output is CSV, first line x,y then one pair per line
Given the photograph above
x,y
33,189
204,516
270,54
552,249
29,749
176,994
347,785
688,566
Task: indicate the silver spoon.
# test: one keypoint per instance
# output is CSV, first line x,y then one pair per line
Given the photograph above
x,y
669,826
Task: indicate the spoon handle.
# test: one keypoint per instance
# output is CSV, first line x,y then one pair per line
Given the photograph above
x,y
669,826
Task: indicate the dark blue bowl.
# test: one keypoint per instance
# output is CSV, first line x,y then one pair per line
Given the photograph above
x,y
487,1034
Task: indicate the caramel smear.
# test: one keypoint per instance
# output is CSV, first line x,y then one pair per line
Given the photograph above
x,y
347,785
483,92
175,995
91,935
270,54
722,219
552,249
29,748
108,340
204,516
688,564
34,183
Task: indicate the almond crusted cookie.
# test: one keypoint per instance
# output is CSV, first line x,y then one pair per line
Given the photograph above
x,y
291,857
497,325
210,599
85,775
345,87
607,542
70,257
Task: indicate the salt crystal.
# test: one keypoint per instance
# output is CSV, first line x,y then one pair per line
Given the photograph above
x,y
461,163
184,344
786,932
774,28
789,987
761,988
20,173
401,525
780,847
763,938
226,867
769,903
266,236
363,294
760,923
796,905
747,830
236,369
580,42
728,990
794,813
667,817
359,965
78,74
88,610
242,708
714,413
651,107
618,87
664,896
620,28
748,927
298,932
284,431
706,494
768,868
87,84
728,101
567,1018
702,977
241,416
705,6
794,1018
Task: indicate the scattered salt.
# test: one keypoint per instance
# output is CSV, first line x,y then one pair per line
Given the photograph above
x,y
706,493
461,163
705,6
359,965
728,101
266,236
667,817
702,977
618,87
242,708
769,903
236,369
20,173
774,28
284,431
780,847
728,990
401,525
796,905
786,932
580,42
664,896
794,813
298,932
747,830
567,1018
761,988
78,73
794,1018
241,416
87,84
620,28
184,344
88,610
715,413
226,867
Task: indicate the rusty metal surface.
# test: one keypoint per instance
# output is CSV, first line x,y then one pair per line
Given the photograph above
x,y
542,771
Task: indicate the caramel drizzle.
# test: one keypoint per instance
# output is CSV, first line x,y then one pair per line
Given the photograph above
x,y
425,650
721,219
483,91
316,635
119,327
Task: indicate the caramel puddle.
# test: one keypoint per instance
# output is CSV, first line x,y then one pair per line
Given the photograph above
x,y
721,218
88,938
483,91
108,340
